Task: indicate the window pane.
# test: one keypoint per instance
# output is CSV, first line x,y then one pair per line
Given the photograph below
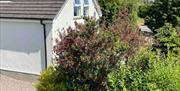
x,y
86,11
77,2
86,2
94,14
77,11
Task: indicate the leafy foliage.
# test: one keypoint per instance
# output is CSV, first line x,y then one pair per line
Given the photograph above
x,y
161,12
106,58
167,39
87,54
48,80
110,9
147,72
127,33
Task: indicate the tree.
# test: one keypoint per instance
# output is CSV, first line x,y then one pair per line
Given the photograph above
x,y
110,9
161,12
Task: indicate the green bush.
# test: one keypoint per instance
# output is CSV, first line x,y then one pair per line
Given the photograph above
x,y
110,9
167,39
164,73
147,72
48,81
88,54
161,12
57,80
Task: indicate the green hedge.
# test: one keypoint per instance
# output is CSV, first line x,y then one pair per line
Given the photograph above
x,y
147,72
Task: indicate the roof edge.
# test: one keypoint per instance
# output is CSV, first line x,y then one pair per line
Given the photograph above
x,y
97,7
59,12
26,18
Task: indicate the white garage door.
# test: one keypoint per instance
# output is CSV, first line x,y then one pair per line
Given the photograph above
x,y
21,46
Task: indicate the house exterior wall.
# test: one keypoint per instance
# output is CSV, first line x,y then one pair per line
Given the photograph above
x,y
65,18
49,41
92,10
22,45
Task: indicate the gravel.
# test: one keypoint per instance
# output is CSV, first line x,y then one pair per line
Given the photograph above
x,y
15,83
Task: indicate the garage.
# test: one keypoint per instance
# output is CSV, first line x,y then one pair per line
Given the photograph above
x,y
26,34
22,46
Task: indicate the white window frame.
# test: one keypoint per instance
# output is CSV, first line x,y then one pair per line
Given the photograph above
x,y
86,5
77,6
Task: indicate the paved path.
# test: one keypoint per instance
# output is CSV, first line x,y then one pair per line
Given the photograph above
x,y
10,83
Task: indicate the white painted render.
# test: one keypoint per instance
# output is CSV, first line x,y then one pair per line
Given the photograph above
x,y
49,42
65,18
22,45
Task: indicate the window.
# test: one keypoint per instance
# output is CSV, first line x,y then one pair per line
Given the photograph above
x,y
94,14
86,8
77,8
86,11
86,2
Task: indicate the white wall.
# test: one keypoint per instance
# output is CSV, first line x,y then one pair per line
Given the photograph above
x,y
22,45
49,42
92,10
65,17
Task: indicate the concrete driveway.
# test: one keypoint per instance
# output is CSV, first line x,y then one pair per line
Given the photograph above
x,y
11,81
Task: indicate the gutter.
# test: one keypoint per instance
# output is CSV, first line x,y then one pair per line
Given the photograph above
x,y
45,44
26,18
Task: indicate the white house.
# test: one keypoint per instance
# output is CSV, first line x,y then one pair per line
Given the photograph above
x,y
27,29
